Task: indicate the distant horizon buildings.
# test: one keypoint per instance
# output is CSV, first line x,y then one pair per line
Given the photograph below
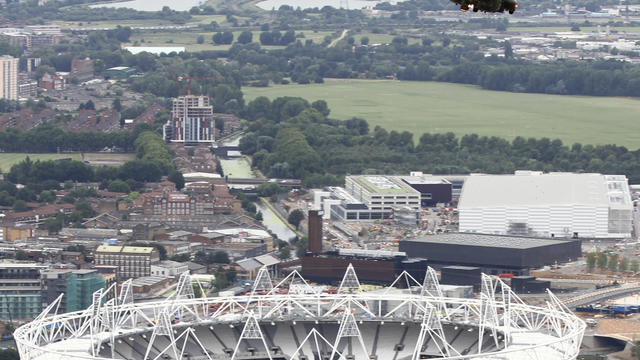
x,y
191,120
8,77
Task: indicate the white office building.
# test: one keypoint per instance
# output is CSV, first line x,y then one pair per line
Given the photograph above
x,y
531,203
384,193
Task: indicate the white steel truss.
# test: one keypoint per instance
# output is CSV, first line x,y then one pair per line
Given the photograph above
x,y
162,328
350,282
348,329
489,311
317,342
498,316
432,326
431,288
251,331
263,283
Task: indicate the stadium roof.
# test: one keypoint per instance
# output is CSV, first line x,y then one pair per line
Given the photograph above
x,y
483,240
527,188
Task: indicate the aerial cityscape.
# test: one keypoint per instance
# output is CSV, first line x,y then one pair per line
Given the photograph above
x,y
319,179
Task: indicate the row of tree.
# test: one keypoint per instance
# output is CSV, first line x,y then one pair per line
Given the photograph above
x,y
611,262
50,139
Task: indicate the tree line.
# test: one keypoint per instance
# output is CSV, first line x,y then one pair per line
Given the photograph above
x,y
611,262
600,78
49,138
289,137
436,58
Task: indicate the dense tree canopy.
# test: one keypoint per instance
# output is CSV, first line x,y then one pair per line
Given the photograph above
x,y
49,138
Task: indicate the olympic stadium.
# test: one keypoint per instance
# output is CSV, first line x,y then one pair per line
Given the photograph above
x,y
292,319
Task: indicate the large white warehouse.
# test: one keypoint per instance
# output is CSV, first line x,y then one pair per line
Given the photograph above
x,y
555,204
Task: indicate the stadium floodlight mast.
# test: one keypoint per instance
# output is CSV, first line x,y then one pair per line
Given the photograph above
x,y
500,324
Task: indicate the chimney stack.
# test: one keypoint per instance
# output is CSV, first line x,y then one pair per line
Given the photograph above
x,y
315,231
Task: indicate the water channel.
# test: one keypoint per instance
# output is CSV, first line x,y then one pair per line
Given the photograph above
x,y
240,168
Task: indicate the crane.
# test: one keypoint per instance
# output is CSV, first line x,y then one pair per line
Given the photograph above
x,y
178,80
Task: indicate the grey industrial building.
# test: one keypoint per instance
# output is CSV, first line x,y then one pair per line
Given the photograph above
x,y
493,254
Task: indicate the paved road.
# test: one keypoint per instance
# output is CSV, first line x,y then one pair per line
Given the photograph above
x,y
604,294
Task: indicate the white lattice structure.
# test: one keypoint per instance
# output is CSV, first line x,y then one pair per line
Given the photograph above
x,y
290,320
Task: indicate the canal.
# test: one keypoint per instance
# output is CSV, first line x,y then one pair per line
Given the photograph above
x,y
241,168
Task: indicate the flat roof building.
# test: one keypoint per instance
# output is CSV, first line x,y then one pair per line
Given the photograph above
x,y
377,197
132,261
382,194
433,189
20,290
494,254
531,203
169,268
118,72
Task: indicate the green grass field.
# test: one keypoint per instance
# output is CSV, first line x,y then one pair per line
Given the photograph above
x,y
9,159
113,159
188,39
435,107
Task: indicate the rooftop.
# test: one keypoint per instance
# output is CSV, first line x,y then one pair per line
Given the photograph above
x,y
170,264
147,280
483,240
9,264
380,184
249,264
529,188
419,178
124,249
267,259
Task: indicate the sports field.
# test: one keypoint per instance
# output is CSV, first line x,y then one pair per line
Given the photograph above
x,y
9,159
113,159
435,107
